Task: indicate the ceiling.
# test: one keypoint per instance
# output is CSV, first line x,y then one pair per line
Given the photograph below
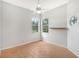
x,y
31,4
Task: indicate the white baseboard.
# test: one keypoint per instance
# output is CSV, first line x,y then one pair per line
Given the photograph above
x,y
55,43
20,44
73,52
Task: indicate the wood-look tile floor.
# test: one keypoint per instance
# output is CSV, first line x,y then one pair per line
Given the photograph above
x,y
38,49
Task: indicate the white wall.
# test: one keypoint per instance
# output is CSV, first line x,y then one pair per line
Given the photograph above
x,y
57,19
17,26
73,33
0,23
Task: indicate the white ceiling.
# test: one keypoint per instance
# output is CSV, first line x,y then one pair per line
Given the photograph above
x,y
31,4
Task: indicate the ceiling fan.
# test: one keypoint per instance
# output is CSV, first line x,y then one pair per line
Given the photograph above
x,y
38,8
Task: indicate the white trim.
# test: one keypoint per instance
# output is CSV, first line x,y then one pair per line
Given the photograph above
x,y
73,52
55,43
24,43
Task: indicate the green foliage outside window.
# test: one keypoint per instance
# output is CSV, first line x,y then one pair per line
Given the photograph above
x,y
34,24
34,28
45,25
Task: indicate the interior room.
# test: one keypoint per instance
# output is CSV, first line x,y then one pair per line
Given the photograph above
x,y
39,28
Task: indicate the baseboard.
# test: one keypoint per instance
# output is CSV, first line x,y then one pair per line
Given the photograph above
x,y
20,44
55,44
73,52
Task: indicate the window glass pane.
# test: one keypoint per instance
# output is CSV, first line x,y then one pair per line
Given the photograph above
x,y
34,28
45,25
45,22
34,20
45,28
34,24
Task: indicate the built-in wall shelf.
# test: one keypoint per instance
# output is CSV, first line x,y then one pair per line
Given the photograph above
x,y
59,28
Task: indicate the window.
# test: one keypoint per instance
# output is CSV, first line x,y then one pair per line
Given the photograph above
x,y
45,25
34,24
